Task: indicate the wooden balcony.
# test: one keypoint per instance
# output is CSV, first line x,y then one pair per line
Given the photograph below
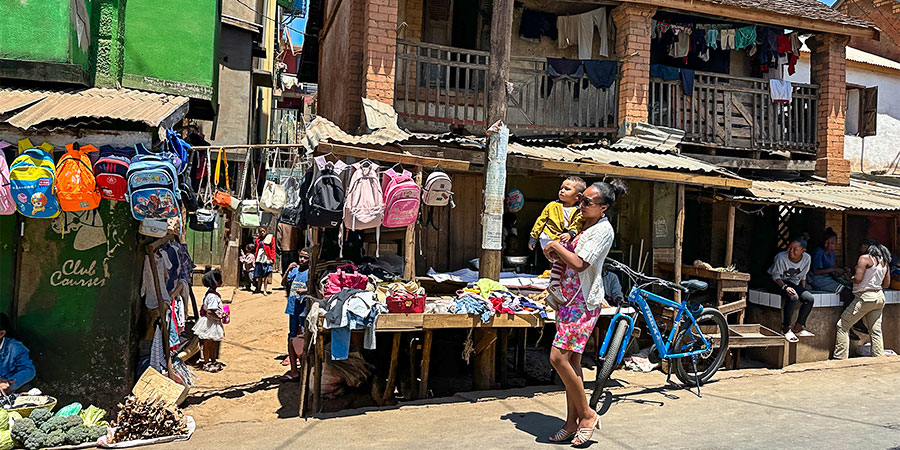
x,y
439,87
736,113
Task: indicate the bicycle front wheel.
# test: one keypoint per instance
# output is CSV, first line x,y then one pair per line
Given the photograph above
x,y
715,328
609,361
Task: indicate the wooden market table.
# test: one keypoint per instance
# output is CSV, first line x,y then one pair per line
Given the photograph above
x,y
734,282
484,348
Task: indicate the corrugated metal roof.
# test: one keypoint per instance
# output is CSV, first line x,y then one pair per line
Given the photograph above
x,y
859,195
637,160
649,137
379,115
98,103
857,55
322,129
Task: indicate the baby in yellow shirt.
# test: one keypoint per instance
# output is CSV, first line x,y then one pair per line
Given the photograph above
x,y
560,217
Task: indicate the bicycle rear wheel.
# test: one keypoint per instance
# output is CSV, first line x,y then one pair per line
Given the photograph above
x,y
715,328
609,360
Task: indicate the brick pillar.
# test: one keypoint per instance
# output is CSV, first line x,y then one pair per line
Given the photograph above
x,y
110,44
633,22
835,220
828,70
379,50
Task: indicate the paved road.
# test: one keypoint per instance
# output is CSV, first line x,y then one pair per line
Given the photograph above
x,y
826,406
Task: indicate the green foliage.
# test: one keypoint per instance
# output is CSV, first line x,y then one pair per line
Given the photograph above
x,y
40,416
36,440
78,435
21,429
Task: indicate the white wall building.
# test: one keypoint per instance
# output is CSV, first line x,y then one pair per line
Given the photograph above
x,y
882,151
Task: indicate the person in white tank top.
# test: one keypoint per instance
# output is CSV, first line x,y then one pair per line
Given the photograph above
x,y
870,278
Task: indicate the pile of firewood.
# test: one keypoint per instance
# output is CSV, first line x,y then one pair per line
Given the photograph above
x,y
139,419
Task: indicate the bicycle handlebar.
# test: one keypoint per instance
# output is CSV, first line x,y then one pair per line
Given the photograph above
x,y
614,265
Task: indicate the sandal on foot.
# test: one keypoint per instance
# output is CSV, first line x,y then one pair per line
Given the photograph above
x,y
584,435
563,435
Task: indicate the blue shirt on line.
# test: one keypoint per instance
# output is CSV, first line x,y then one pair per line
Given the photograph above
x,y
15,363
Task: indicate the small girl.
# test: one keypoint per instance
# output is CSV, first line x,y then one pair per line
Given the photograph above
x,y
561,220
247,262
265,257
209,327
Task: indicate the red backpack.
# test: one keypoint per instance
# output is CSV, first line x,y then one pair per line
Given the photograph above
x,y
111,172
401,199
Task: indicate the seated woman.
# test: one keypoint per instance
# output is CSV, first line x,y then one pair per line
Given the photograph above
x,y
789,272
16,368
824,273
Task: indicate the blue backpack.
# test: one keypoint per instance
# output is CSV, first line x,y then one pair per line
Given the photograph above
x,y
31,183
153,188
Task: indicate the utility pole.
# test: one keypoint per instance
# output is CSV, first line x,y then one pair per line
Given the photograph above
x,y
495,170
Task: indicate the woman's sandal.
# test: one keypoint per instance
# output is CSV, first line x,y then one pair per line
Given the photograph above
x,y
584,435
563,435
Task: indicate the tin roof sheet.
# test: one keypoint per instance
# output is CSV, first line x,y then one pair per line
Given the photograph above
x,y
859,195
649,137
127,105
324,130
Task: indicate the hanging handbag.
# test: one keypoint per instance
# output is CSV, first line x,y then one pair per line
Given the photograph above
x,y
222,198
204,220
249,215
274,195
344,279
153,228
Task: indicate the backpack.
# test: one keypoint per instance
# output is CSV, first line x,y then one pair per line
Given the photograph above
x,y
31,184
176,150
76,186
153,188
438,190
325,199
7,204
249,215
401,199
364,205
111,172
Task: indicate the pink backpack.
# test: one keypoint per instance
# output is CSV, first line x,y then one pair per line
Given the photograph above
x,y
364,202
401,199
7,204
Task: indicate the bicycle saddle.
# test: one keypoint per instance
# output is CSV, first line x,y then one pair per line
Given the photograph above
x,y
694,285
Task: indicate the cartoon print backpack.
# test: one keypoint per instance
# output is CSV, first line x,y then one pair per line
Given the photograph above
x,y
7,204
364,205
31,184
325,198
401,199
438,190
153,188
111,172
76,186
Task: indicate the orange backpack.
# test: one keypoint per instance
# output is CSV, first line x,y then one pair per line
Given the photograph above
x,y
76,187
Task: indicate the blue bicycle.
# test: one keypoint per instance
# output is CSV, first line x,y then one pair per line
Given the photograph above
x,y
696,346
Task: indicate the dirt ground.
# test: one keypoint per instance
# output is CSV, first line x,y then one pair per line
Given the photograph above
x,y
247,389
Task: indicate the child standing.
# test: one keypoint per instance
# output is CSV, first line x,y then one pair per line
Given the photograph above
x,y
265,257
247,262
209,327
296,282
561,220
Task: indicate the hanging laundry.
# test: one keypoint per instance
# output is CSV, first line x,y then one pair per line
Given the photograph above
x,y
781,91
727,37
567,31
665,72
784,43
712,38
586,24
562,68
795,43
767,40
682,45
536,24
745,37
601,74
687,81
698,41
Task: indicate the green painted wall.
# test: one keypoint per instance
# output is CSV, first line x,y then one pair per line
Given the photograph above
x,y
172,40
78,302
41,30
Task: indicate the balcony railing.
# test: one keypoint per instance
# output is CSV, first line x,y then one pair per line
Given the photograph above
x,y
736,113
438,87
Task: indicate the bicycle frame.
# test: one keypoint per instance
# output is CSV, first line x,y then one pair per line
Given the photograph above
x,y
639,297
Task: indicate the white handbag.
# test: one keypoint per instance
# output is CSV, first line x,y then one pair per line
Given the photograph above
x,y
153,228
273,197
249,215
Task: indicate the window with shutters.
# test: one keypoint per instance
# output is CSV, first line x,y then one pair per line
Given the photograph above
x,y
862,110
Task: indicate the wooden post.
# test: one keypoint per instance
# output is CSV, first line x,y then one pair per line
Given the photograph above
x,y
679,235
484,374
495,173
161,307
231,273
502,349
729,237
409,248
426,362
317,383
392,370
313,282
